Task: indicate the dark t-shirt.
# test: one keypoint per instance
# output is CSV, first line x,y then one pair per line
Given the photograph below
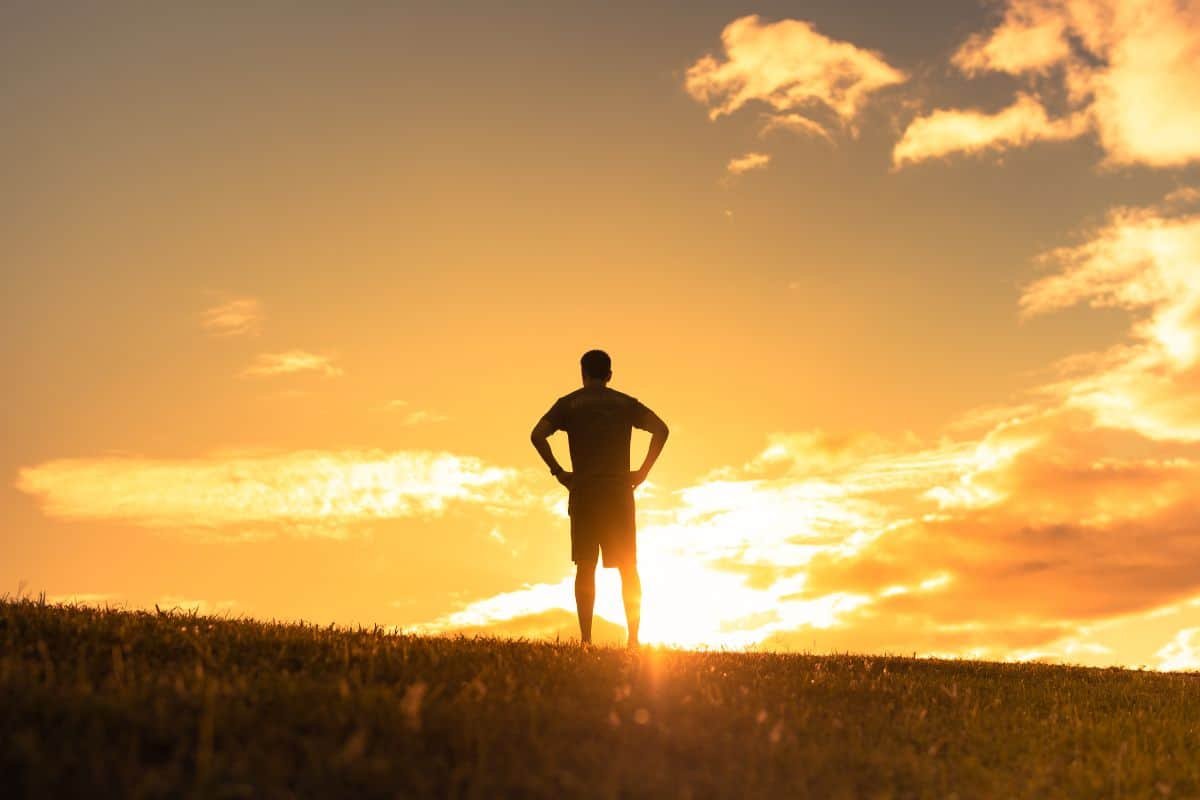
x,y
599,422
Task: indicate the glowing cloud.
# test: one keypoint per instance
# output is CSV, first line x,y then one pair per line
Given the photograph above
x,y
790,67
1181,653
795,124
1081,506
949,131
1130,69
292,362
304,493
422,417
236,317
1031,38
1142,260
1139,259
748,162
411,416
173,602
84,599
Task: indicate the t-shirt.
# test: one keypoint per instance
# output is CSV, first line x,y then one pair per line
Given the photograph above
x,y
599,422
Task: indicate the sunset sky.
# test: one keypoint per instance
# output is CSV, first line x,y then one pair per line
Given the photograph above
x,y
916,286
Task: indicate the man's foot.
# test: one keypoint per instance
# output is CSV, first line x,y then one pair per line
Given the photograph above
x,y
632,644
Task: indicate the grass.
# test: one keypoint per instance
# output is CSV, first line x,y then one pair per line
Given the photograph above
x,y
134,704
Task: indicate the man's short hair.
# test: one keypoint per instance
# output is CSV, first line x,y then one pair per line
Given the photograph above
x,y
596,364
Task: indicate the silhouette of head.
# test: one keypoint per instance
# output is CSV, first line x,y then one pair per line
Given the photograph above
x,y
596,367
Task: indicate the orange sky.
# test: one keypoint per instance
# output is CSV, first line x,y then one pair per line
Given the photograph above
x,y
915,287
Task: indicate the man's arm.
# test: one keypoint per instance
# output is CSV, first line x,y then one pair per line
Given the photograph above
x,y
649,421
539,436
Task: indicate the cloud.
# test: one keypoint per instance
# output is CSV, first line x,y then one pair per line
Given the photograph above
x,y
1142,260
307,493
84,599
790,67
795,124
1085,507
291,362
413,416
173,602
1032,37
747,162
1082,506
1129,72
1182,652
237,317
421,417
948,131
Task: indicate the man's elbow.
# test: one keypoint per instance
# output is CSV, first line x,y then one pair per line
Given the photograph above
x,y
664,431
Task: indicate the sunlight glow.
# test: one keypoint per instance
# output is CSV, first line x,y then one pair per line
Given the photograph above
x,y
727,565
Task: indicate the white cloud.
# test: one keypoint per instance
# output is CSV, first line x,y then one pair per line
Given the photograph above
x,y
83,599
746,163
795,124
1181,653
1143,260
948,131
413,416
421,417
1030,38
307,493
173,602
1129,69
292,362
808,80
236,317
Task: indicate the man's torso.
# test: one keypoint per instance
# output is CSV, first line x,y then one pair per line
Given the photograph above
x,y
599,423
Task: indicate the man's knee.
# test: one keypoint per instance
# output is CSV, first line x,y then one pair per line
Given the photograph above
x,y
630,580
585,573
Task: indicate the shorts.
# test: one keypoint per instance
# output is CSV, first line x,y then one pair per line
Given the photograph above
x,y
603,523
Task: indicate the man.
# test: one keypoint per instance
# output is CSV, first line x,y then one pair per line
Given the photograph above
x,y
599,422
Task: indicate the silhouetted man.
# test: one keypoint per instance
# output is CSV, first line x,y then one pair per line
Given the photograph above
x,y
599,422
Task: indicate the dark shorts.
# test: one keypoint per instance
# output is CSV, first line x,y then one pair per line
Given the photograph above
x,y
602,522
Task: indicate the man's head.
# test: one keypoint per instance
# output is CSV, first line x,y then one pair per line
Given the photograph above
x,y
596,367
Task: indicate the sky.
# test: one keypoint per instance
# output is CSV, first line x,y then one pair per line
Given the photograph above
x,y
915,286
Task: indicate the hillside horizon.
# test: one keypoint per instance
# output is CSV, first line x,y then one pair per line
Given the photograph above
x,y
155,704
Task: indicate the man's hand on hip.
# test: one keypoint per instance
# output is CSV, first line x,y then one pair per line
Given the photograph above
x,y
565,478
637,477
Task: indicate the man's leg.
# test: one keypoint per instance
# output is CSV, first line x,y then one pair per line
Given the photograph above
x,y
585,597
631,593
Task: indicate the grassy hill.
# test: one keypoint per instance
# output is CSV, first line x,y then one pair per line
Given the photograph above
x,y
111,703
